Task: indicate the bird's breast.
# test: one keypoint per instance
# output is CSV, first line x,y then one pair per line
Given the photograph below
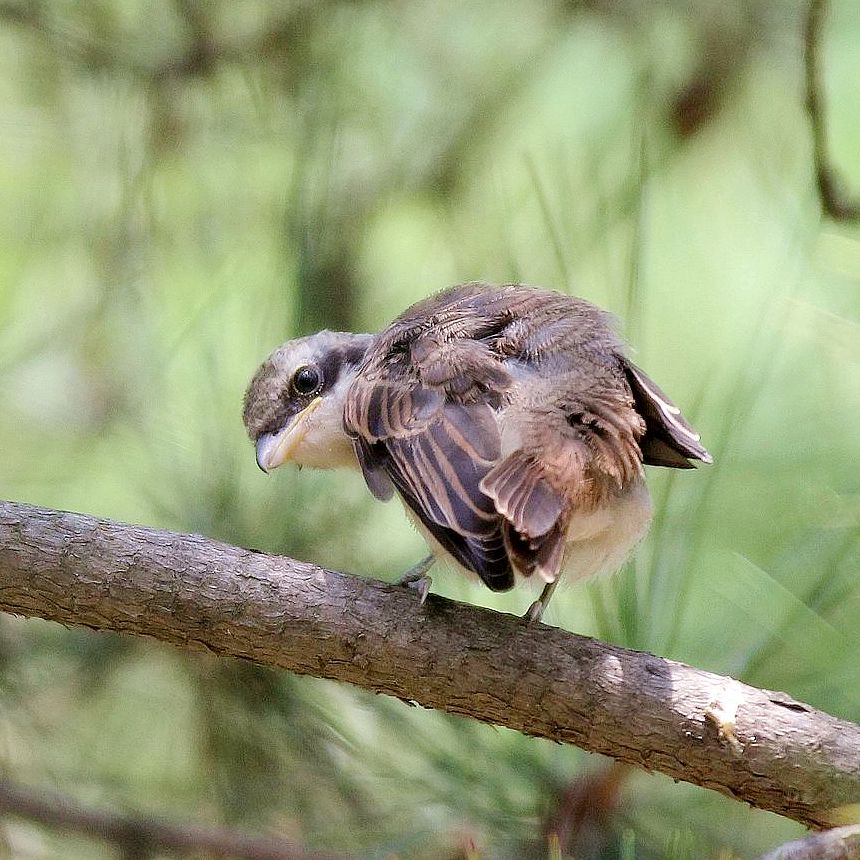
x,y
600,541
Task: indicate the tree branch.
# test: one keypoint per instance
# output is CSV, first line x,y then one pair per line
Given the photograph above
x,y
840,843
141,836
760,747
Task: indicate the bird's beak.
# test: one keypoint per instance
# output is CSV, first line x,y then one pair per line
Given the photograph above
x,y
273,449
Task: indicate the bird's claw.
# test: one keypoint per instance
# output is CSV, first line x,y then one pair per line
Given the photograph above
x,y
416,578
421,585
535,612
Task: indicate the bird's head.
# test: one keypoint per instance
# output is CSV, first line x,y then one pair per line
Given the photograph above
x,y
294,404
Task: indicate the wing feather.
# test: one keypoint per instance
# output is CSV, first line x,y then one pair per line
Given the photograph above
x,y
523,495
669,439
461,518
425,428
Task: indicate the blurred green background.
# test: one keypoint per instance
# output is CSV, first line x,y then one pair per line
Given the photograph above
x,y
186,184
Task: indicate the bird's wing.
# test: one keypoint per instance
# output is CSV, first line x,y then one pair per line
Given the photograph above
x,y
420,416
579,447
669,440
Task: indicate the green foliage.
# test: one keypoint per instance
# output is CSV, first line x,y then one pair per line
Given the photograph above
x,y
185,186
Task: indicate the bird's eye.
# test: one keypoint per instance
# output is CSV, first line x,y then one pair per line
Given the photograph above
x,y
307,379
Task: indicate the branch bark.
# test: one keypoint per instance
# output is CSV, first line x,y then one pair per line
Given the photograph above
x,y
761,747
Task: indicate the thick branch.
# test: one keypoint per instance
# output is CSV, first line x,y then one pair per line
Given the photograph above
x,y
760,747
140,836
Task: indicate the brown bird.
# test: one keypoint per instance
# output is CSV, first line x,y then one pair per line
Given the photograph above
x,y
508,419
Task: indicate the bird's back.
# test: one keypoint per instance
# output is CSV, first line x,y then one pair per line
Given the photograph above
x,y
541,327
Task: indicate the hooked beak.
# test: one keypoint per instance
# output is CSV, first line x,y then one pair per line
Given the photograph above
x,y
273,449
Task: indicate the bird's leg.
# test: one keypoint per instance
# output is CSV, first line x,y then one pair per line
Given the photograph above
x,y
536,610
417,579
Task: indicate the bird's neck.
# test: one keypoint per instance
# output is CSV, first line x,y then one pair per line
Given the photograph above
x,y
326,445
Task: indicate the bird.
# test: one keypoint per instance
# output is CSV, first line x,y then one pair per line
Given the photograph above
x,y
507,418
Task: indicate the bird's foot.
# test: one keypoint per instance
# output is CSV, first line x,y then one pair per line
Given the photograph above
x,y
536,610
416,578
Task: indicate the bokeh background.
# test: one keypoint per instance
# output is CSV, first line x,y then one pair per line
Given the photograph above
x,y
186,184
